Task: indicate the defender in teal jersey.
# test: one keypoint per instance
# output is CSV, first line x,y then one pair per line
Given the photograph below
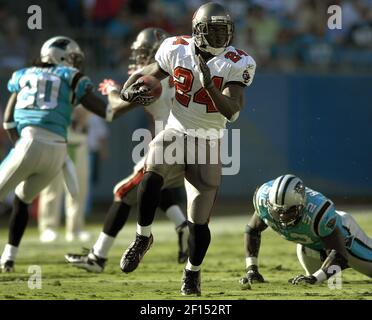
x,y
327,240
36,119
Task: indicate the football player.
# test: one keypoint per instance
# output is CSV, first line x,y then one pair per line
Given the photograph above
x,y
125,192
327,240
210,76
36,118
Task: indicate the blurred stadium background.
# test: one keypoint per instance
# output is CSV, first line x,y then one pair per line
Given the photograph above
x,y
308,111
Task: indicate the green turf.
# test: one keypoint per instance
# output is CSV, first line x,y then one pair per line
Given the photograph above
x,y
158,276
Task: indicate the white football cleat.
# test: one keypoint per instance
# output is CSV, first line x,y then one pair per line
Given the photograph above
x,y
87,261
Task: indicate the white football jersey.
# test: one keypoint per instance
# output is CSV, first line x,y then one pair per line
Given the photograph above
x,y
192,106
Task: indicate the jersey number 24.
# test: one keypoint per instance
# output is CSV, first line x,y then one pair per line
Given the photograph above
x,y
184,79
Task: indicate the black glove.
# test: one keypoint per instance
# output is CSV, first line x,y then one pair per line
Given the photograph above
x,y
252,276
303,279
137,93
205,73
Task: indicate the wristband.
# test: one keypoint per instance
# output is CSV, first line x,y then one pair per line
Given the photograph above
x,y
320,276
9,125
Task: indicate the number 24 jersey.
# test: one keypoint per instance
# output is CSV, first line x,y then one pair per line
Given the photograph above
x,y
193,108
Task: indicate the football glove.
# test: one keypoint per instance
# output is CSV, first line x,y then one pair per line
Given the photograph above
x,y
137,93
252,276
107,86
205,73
301,279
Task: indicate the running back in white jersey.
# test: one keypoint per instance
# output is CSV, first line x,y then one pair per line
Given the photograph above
x,y
192,107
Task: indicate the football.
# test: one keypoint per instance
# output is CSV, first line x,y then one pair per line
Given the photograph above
x,y
153,84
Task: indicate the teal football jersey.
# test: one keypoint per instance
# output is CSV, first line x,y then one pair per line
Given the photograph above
x,y
319,218
46,96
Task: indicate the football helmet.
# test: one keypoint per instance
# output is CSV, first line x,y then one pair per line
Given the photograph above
x,y
145,46
287,200
212,28
62,50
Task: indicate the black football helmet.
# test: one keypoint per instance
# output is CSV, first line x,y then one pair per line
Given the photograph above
x,y
212,28
145,46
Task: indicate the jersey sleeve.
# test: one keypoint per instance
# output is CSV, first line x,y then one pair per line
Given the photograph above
x,y
260,198
328,222
255,201
78,82
82,87
13,83
243,70
163,55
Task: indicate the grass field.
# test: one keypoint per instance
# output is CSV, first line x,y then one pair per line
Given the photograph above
x,y
158,276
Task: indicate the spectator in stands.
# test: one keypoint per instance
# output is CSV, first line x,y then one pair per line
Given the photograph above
x,y
13,46
263,30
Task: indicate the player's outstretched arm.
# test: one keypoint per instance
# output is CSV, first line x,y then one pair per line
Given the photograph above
x,y
230,101
335,261
94,104
252,243
116,105
9,124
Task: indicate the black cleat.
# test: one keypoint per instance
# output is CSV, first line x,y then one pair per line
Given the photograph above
x,y
183,237
191,283
88,261
135,252
7,266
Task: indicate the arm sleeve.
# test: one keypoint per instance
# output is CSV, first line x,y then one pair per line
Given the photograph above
x,y
243,71
163,55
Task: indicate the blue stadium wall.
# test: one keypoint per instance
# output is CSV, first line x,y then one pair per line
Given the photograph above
x,y
315,126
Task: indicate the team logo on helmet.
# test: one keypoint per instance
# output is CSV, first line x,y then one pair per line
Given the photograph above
x,y
60,43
